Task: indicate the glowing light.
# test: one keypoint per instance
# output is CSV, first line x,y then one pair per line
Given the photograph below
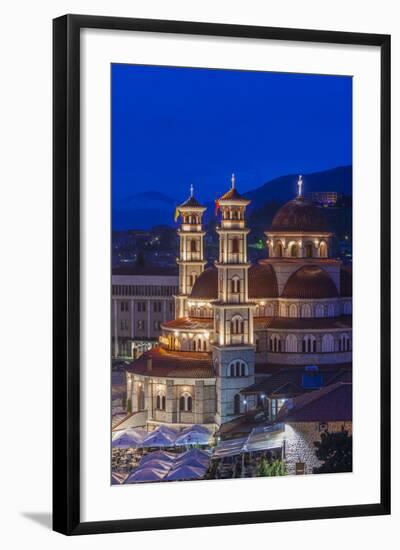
x,y
176,333
262,303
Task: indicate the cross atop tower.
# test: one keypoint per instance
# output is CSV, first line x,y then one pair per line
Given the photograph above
x,y
191,190
300,186
233,181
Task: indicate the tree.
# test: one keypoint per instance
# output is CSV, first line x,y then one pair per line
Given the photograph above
x,y
335,452
271,469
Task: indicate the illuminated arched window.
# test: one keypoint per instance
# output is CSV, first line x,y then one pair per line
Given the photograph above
x,y
323,250
291,343
237,325
309,344
328,343
235,284
186,402
294,250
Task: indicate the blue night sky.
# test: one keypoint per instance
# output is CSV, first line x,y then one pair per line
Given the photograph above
x,y
175,126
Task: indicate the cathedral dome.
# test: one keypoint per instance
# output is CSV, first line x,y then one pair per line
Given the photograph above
x,y
310,283
206,285
262,282
299,215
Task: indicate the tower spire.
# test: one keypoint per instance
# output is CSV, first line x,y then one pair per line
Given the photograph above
x,y
300,186
233,181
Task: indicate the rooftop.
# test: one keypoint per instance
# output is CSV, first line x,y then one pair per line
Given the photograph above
x,y
174,364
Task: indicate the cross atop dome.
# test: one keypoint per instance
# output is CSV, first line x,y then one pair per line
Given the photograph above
x,y
191,189
300,186
233,180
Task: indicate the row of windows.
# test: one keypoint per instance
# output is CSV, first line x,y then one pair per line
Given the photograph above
x,y
308,343
144,290
294,250
141,325
141,307
185,402
306,310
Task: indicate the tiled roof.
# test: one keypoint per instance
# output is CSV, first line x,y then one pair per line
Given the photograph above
x,y
262,282
288,381
286,323
346,281
189,323
310,282
191,202
233,195
174,364
299,215
329,404
206,285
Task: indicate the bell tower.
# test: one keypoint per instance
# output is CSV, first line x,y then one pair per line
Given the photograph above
x,y
191,249
234,350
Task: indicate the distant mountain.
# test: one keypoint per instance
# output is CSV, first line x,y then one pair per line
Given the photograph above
x,y
149,208
284,188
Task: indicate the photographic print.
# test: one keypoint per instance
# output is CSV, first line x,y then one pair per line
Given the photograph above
x,y
231,274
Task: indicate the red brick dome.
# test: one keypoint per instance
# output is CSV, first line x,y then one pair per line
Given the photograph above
x,y
206,285
262,283
310,282
299,214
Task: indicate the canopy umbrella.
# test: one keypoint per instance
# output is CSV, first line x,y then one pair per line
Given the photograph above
x,y
193,437
131,437
145,475
232,447
117,478
158,455
156,464
192,457
185,472
191,461
196,428
158,438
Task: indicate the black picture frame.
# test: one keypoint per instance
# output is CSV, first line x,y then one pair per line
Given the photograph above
x,y
66,272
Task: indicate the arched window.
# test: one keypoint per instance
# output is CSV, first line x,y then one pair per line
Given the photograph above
x,y
237,325
323,250
344,342
309,250
291,343
306,310
237,368
269,311
283,310
293,310
309,344
275,343
185,402
319,310
235,284
236,404
294,250
193,246
328,343
331,310
278,249
347,308
235,245
160,401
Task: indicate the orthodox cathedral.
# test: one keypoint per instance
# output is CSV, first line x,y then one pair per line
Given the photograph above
x,y
238,326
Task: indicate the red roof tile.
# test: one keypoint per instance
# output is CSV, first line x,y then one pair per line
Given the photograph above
x,y
329,404
174,364
299,215
189,323
310,282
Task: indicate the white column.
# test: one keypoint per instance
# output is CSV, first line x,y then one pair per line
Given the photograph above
x,y
132,306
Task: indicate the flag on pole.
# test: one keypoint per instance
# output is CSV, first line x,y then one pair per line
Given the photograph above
x,y
216,207
176,215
